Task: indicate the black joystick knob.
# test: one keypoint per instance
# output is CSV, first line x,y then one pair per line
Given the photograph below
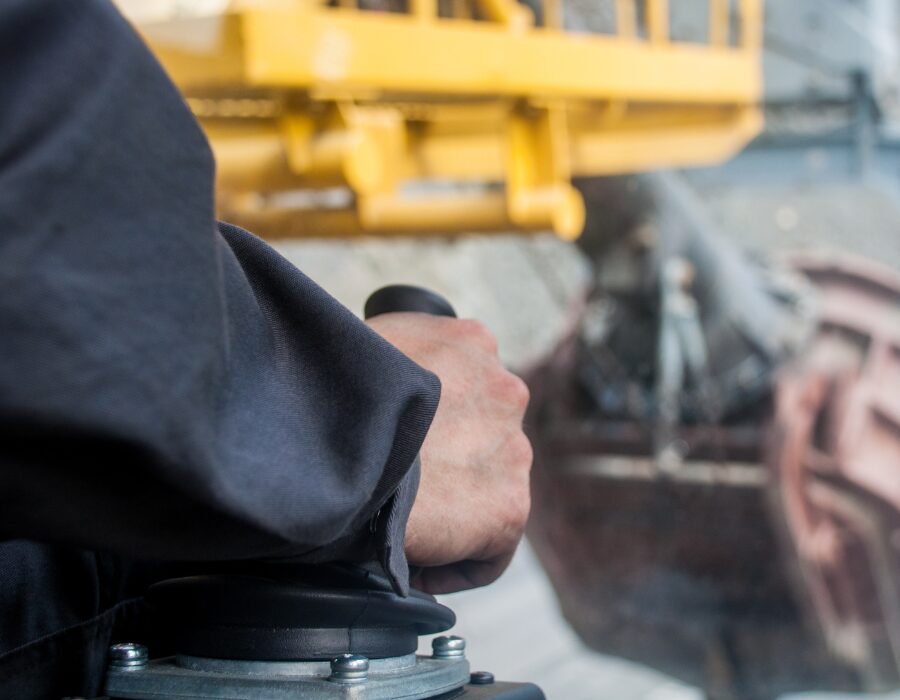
x,y
403,297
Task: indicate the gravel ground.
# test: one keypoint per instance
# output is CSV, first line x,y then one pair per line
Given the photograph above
x,y
522,287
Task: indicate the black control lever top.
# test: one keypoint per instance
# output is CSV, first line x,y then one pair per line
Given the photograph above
x,y
403,297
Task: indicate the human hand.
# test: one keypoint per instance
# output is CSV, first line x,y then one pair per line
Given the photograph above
x,y
473,498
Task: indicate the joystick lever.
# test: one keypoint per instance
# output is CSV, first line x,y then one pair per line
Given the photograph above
x,y
317,632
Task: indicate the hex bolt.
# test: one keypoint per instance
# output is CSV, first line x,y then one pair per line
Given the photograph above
x,y
349,668
450,647
128,656
481,678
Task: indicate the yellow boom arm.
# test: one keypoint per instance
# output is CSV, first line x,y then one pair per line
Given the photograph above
x,y
452,115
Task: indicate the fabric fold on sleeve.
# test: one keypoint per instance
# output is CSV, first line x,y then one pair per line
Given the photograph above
x,y
171,388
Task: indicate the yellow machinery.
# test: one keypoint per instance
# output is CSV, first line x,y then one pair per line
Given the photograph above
x,y
445,116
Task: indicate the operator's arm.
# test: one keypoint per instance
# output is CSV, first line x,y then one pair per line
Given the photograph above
x,y
169,389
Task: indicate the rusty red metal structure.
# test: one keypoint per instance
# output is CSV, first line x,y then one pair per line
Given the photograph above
x,y
768,560
835,462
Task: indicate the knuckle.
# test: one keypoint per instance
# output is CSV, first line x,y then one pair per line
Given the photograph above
x,y
520,507
475,331
509,388
521,451
519,391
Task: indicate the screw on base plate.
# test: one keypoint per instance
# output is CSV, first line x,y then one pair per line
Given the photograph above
x,y
349,668
128,655
481,678
450,647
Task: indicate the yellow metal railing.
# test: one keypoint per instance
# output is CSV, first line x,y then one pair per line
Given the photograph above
x,y
401,104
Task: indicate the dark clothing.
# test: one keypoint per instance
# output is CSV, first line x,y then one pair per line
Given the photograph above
x,y
61,608
170,389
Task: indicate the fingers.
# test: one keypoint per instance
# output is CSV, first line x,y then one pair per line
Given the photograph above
x,y
460,331
509,390
461,576
474,497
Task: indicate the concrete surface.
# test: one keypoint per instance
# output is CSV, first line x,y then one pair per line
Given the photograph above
x,y
523,288
861,218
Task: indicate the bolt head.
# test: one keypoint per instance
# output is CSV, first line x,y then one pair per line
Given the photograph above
x,y
128,655
448,647
481,678
349,668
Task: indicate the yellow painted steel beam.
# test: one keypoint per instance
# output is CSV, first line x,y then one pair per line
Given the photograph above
x,y
596,149
751,25
637,150
657,13
719,21
350,51
436,214
509,13
254,154
626,18
554,16
424,10
599,154
622,149
296,95
388,216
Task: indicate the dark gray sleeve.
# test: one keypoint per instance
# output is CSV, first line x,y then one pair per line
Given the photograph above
x,y
171,388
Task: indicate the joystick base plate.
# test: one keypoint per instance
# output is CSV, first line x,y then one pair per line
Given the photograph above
x,y
171,678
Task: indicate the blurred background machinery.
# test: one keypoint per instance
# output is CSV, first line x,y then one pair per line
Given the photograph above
x,y
452,115
714,376
718,459
718,466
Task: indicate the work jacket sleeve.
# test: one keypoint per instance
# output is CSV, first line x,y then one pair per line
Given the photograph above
x,y
172,388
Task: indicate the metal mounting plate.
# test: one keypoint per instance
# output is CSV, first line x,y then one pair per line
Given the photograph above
x,y
165,679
